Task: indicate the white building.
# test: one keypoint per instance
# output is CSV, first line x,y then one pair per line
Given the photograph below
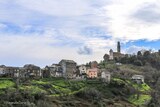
x,y
138,78
118,63
106,76
2,71
111,54
82,69
16,73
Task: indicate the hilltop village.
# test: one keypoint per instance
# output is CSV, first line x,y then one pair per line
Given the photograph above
x,y
67,69
119,80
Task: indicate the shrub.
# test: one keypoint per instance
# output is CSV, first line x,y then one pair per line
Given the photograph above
x,y
138,63
91,94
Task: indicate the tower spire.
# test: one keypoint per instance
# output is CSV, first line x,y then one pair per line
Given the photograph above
x,y
118,47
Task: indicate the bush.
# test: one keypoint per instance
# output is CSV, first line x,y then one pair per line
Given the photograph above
x,y
138,63
39,96
91,94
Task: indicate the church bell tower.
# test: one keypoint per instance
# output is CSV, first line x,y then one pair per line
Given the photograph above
x,y
118,47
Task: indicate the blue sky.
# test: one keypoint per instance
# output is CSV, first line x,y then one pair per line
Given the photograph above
x,y
43,32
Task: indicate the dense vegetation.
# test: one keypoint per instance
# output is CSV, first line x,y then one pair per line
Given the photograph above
x,y
147,64
150,62
55,92
36,92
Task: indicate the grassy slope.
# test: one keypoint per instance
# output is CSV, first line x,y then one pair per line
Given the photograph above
x,y
6,83
144,96
143,89
56,87
60,87
141,100
52,86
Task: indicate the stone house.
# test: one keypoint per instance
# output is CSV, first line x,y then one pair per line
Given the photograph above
x,y
45,72
32,70
68,68
11,71
20,72
82,71
54,70
2,70
105,76
16,72
57,69
138,78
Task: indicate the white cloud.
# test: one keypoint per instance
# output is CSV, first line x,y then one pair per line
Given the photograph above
x,y
58,7
43,49
134,49
124,25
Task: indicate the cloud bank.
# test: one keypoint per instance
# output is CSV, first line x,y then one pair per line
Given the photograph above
x,y
46,31
133,20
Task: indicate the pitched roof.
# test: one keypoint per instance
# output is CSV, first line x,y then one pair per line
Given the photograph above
x,y
93,70
31,66
69,61
117,54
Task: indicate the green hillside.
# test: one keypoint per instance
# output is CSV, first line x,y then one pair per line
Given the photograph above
x,y
83,93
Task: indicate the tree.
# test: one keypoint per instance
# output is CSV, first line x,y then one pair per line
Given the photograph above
x,y
106,57
159,51
87,64
132,59
156,94
139,53
138,62
146,53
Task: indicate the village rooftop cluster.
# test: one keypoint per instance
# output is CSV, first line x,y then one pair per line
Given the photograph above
x,y
67,69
